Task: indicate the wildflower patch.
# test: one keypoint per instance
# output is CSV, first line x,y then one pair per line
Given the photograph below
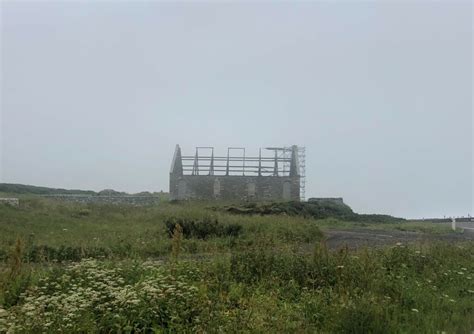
x,y
89,294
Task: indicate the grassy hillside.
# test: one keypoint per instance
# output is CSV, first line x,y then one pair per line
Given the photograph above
x,y
123,231
316,210
185,268
23,189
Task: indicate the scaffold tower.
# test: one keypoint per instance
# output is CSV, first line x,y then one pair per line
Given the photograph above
x,y
302,163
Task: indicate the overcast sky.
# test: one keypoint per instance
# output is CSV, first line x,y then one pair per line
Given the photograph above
x,y
96,94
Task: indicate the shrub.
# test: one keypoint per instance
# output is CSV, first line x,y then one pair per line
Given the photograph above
x,y
202,227
81,213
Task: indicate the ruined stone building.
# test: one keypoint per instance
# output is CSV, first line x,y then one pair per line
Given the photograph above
x,y
275,175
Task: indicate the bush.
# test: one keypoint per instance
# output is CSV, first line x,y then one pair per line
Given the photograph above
x,y
81,213
202,227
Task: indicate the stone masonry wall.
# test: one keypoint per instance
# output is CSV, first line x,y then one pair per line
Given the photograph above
x,y
118,200
243,188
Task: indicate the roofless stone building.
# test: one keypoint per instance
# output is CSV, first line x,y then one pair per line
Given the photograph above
x,y
274,175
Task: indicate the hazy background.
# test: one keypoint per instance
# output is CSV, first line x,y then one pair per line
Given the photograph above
x,y
96,94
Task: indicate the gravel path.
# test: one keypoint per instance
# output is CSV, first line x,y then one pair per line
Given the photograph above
x,y
355,238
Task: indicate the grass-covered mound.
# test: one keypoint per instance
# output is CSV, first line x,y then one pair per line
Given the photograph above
x,y
316,210
306,209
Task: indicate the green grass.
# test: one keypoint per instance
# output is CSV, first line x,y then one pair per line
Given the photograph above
x,y
426,227
124,231
97,268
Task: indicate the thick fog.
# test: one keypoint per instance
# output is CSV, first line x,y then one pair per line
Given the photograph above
x,y
97,94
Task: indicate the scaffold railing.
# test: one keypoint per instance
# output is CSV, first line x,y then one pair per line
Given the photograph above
x,y
236,162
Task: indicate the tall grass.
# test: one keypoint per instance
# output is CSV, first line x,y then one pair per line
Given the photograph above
x,y
73,268
392,290
63,231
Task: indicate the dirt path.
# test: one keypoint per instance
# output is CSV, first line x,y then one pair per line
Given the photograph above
x,y
355,238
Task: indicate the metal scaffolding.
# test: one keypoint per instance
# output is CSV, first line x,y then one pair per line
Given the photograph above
x,y
279,163
286,154
302,166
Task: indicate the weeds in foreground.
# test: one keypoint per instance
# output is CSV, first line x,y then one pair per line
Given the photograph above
x,y
16,278
90,297
262,279
16,259
397,289
176,241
